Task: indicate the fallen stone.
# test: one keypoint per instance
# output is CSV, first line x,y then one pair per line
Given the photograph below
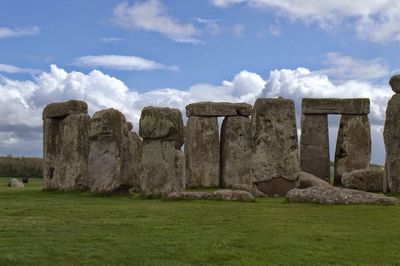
x,y
336,195
218,109
235,151
275,148
183,195
353,146
249,188
314,145
275,187
162,123
308,180
365,179
14,182
63,109
391,135
202,152
233,195
395,83
358,106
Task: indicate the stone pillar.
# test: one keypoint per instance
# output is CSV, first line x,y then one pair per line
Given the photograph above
x,y
235,151
109,159
65,146
202,152
391,136
353,146
163,162
135,151
314,145
275,158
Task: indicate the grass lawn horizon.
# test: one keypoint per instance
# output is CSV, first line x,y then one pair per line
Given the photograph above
x,y
79,228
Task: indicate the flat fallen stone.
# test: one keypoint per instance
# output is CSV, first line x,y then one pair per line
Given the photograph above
x,y
356,106
184,195
370,180
395,83
14,182
218,109
223,194
336,195
63,109
308,180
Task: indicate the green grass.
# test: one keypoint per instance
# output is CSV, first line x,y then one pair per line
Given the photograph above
x,y
54,228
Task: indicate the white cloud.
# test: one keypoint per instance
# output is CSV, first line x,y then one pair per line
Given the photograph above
x,y
111,40
151,15
4,68
211,25
373,20
6,32
238,30
121,62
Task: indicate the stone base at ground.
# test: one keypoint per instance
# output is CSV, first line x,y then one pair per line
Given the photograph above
x,y
14,182
308,180
276,186
366,179
223,194
336,195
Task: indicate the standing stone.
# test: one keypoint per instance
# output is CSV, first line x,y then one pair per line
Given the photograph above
x,y
202,152
65,146
391,136
314,145
235,151
135,152
353,146
275,159
163,162
109,162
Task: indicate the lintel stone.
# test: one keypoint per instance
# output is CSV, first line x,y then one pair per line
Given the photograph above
x,y
218,109
63,109
355,106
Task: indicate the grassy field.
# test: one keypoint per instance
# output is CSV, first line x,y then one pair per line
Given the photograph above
x,y
53,228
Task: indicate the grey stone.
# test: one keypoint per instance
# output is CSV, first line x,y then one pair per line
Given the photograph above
x,y
353,146
135,145
163,168
391,136
233,195
274,140
109,160
162,123
63,109
129,126
358,106
314,145
15,183
218,109
195,195
395,83
365,179
202,152
65,152
275,187
337,195
235,151
308,180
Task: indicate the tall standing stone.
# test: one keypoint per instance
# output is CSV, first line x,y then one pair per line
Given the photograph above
x,y
65,146
314,145
202,152
275,159
163,162
136,149
235,151
353,146
109,160
391,136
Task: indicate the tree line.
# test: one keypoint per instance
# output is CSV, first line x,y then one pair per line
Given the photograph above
x,y
21,166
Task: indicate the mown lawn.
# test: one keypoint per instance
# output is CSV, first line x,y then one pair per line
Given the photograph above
x,y
53,228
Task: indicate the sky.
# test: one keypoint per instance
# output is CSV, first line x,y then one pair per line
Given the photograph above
x,y
132,54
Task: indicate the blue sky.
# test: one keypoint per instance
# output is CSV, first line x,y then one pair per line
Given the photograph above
x,y
129,54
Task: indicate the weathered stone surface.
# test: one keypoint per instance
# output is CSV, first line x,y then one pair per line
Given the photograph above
x,y
14,182
275,187
63,109
218,109
365,179
135,149
233,195
129,125
358,106
65,152
353,146
184,195
235,151
202,152
391,136
163,168
308,180
249,188
314,145
395,83
274,141
337,195
109,162
162,123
